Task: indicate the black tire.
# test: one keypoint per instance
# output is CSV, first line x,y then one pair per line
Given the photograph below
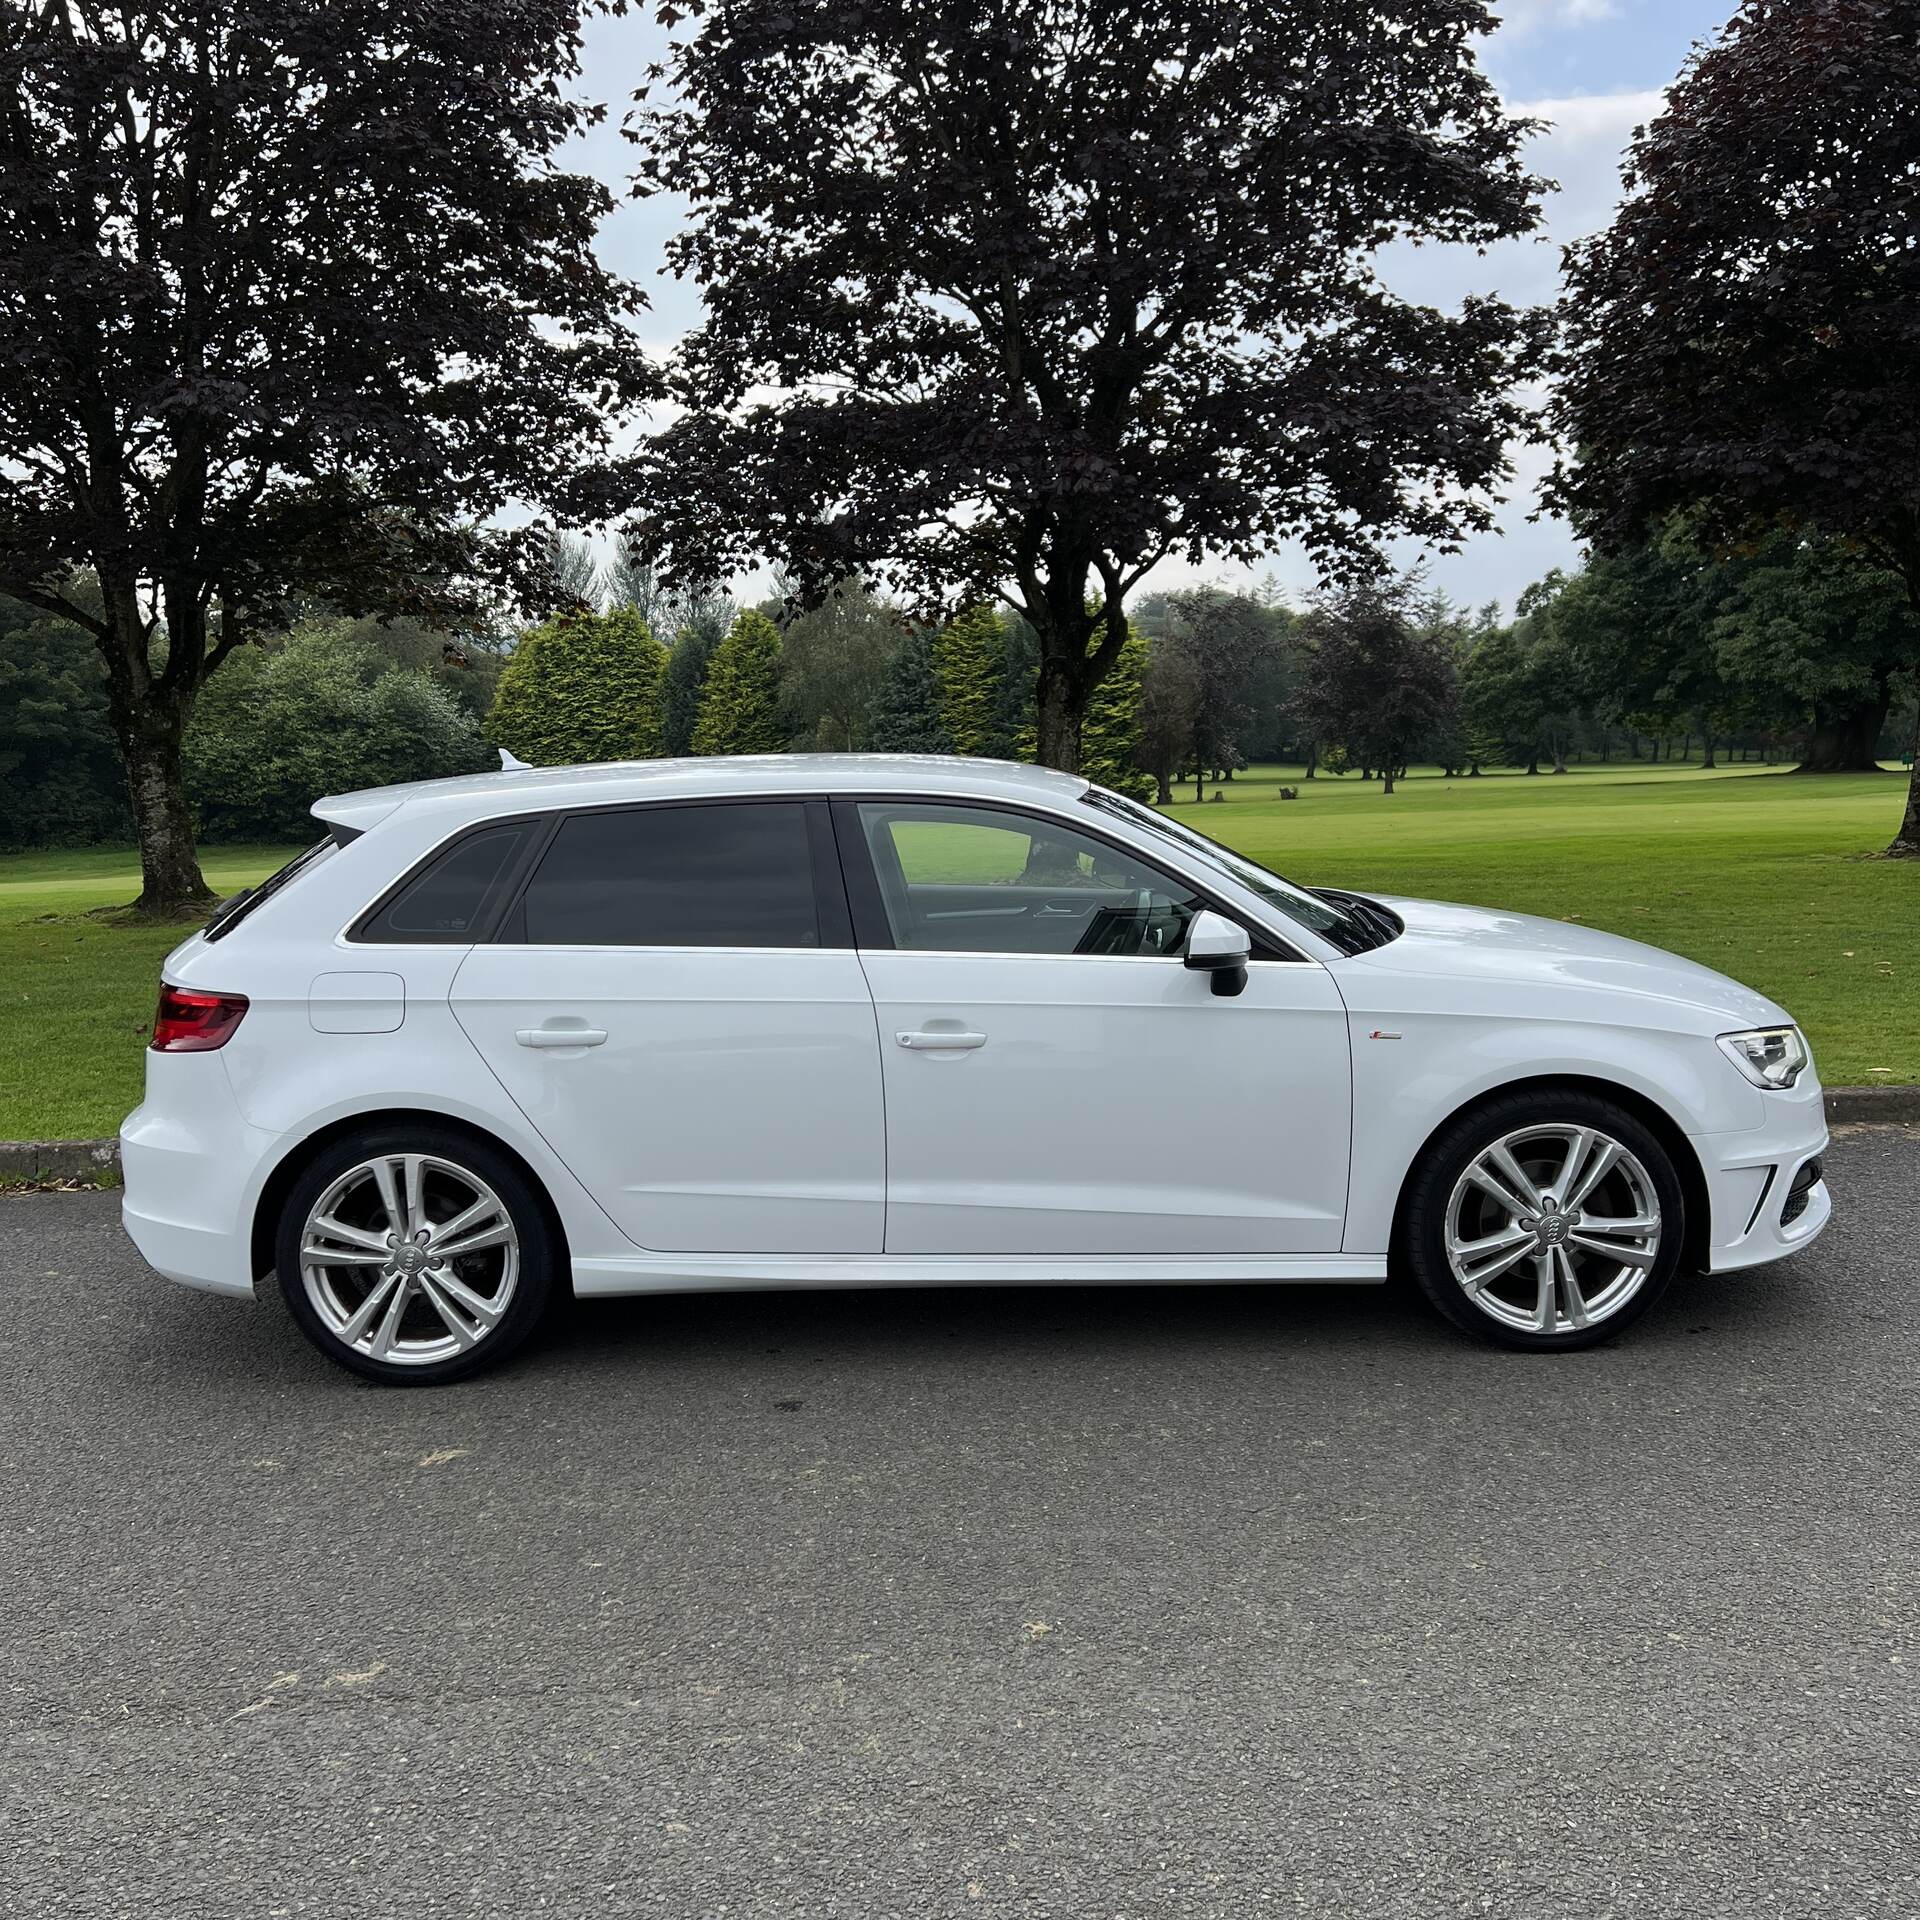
x,y
1431,1188
538,1250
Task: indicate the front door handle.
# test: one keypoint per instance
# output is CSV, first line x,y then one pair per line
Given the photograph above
x,y
937,1041
561,1036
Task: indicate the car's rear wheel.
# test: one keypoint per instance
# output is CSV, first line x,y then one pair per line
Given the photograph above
x,y
1547,1220
415,1256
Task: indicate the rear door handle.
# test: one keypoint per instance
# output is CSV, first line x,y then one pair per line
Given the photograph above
x,y
938,1042
561,1036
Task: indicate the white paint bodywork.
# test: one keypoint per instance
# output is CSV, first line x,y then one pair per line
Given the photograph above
x,y
753,1119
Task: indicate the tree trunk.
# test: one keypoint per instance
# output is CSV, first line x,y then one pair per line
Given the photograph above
x,y
149,720
1164,794
1906,845
171,883
1559,755
1386,774
1708,764
1061,708
1846,739
1313,761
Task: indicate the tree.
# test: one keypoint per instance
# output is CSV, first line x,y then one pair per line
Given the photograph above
x,y
1818,639
833,659
1374,684
970,656
1049,293
1110,742
1743,343
1169,702
908,715
59,773
313,712
628,580
467,664
740,708
292,298
1227,637
582,686
685,684
1790,637
570,576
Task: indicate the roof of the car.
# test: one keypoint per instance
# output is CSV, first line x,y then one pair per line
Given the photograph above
x,y
536,789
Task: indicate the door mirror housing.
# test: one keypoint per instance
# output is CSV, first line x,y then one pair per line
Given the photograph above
x,y
1219,948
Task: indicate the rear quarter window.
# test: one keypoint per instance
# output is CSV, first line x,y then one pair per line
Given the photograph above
x,y
451,898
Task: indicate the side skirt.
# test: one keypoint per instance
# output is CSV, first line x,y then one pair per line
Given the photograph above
x,y
759,1273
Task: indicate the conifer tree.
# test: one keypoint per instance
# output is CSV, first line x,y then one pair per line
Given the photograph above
x,y
740,709
969,657
581,686
1110,739
685,684
907,715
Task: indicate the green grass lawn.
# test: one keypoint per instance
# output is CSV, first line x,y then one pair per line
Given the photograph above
x,y
1757,873
77,994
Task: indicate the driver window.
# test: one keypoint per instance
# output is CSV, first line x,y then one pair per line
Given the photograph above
x,y
960,879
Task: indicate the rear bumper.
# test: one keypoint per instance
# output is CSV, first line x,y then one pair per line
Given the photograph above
x,y
1751,1176
188,1164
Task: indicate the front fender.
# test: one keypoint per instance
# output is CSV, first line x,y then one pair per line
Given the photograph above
x,y
1413,1070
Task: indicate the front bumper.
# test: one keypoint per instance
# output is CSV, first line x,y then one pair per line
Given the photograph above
x,y
1751,1182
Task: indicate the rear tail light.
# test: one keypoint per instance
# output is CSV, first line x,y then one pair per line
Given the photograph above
x,y
189,1022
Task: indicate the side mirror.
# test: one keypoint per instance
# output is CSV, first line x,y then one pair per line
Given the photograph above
x,y
1216,946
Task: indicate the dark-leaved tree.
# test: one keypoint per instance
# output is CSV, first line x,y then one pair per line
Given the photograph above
x,y
1743,343
1045,294
1372,681
1228,637
291,296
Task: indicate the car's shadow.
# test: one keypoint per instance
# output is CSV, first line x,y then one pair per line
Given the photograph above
x,y
1191,1322
191,1341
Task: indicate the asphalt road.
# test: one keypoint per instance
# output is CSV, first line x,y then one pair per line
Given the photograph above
x,y
1113,1605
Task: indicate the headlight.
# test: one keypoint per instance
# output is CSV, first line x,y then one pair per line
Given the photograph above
x,y
1769,1056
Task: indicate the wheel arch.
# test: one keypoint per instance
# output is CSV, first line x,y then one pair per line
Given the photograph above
x,y
300,1155
1697,1239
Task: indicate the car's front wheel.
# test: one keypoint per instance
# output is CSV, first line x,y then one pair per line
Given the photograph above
x,y
1546,1220
415,1256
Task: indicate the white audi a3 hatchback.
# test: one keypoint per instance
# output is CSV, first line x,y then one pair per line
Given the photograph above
x,y
859,1021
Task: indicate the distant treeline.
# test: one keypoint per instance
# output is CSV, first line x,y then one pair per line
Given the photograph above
x,y
1788,654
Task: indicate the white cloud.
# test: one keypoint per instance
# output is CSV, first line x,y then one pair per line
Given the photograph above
x,y
1522,20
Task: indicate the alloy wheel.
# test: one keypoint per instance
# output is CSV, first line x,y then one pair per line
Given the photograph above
x,y
409,1259
1553,1228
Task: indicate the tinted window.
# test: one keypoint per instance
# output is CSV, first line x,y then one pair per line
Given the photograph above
x,y
976,880
714,876
443,903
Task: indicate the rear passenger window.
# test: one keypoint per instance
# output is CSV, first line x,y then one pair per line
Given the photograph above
x,y
442,904
739,875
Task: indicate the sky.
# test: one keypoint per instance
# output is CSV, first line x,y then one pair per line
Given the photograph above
x,y
1595,69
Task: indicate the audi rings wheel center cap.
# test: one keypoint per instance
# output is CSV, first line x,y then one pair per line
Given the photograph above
x,y
1553,1230
410,1260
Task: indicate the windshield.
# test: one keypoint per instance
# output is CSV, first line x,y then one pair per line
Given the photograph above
x,y
1344,920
